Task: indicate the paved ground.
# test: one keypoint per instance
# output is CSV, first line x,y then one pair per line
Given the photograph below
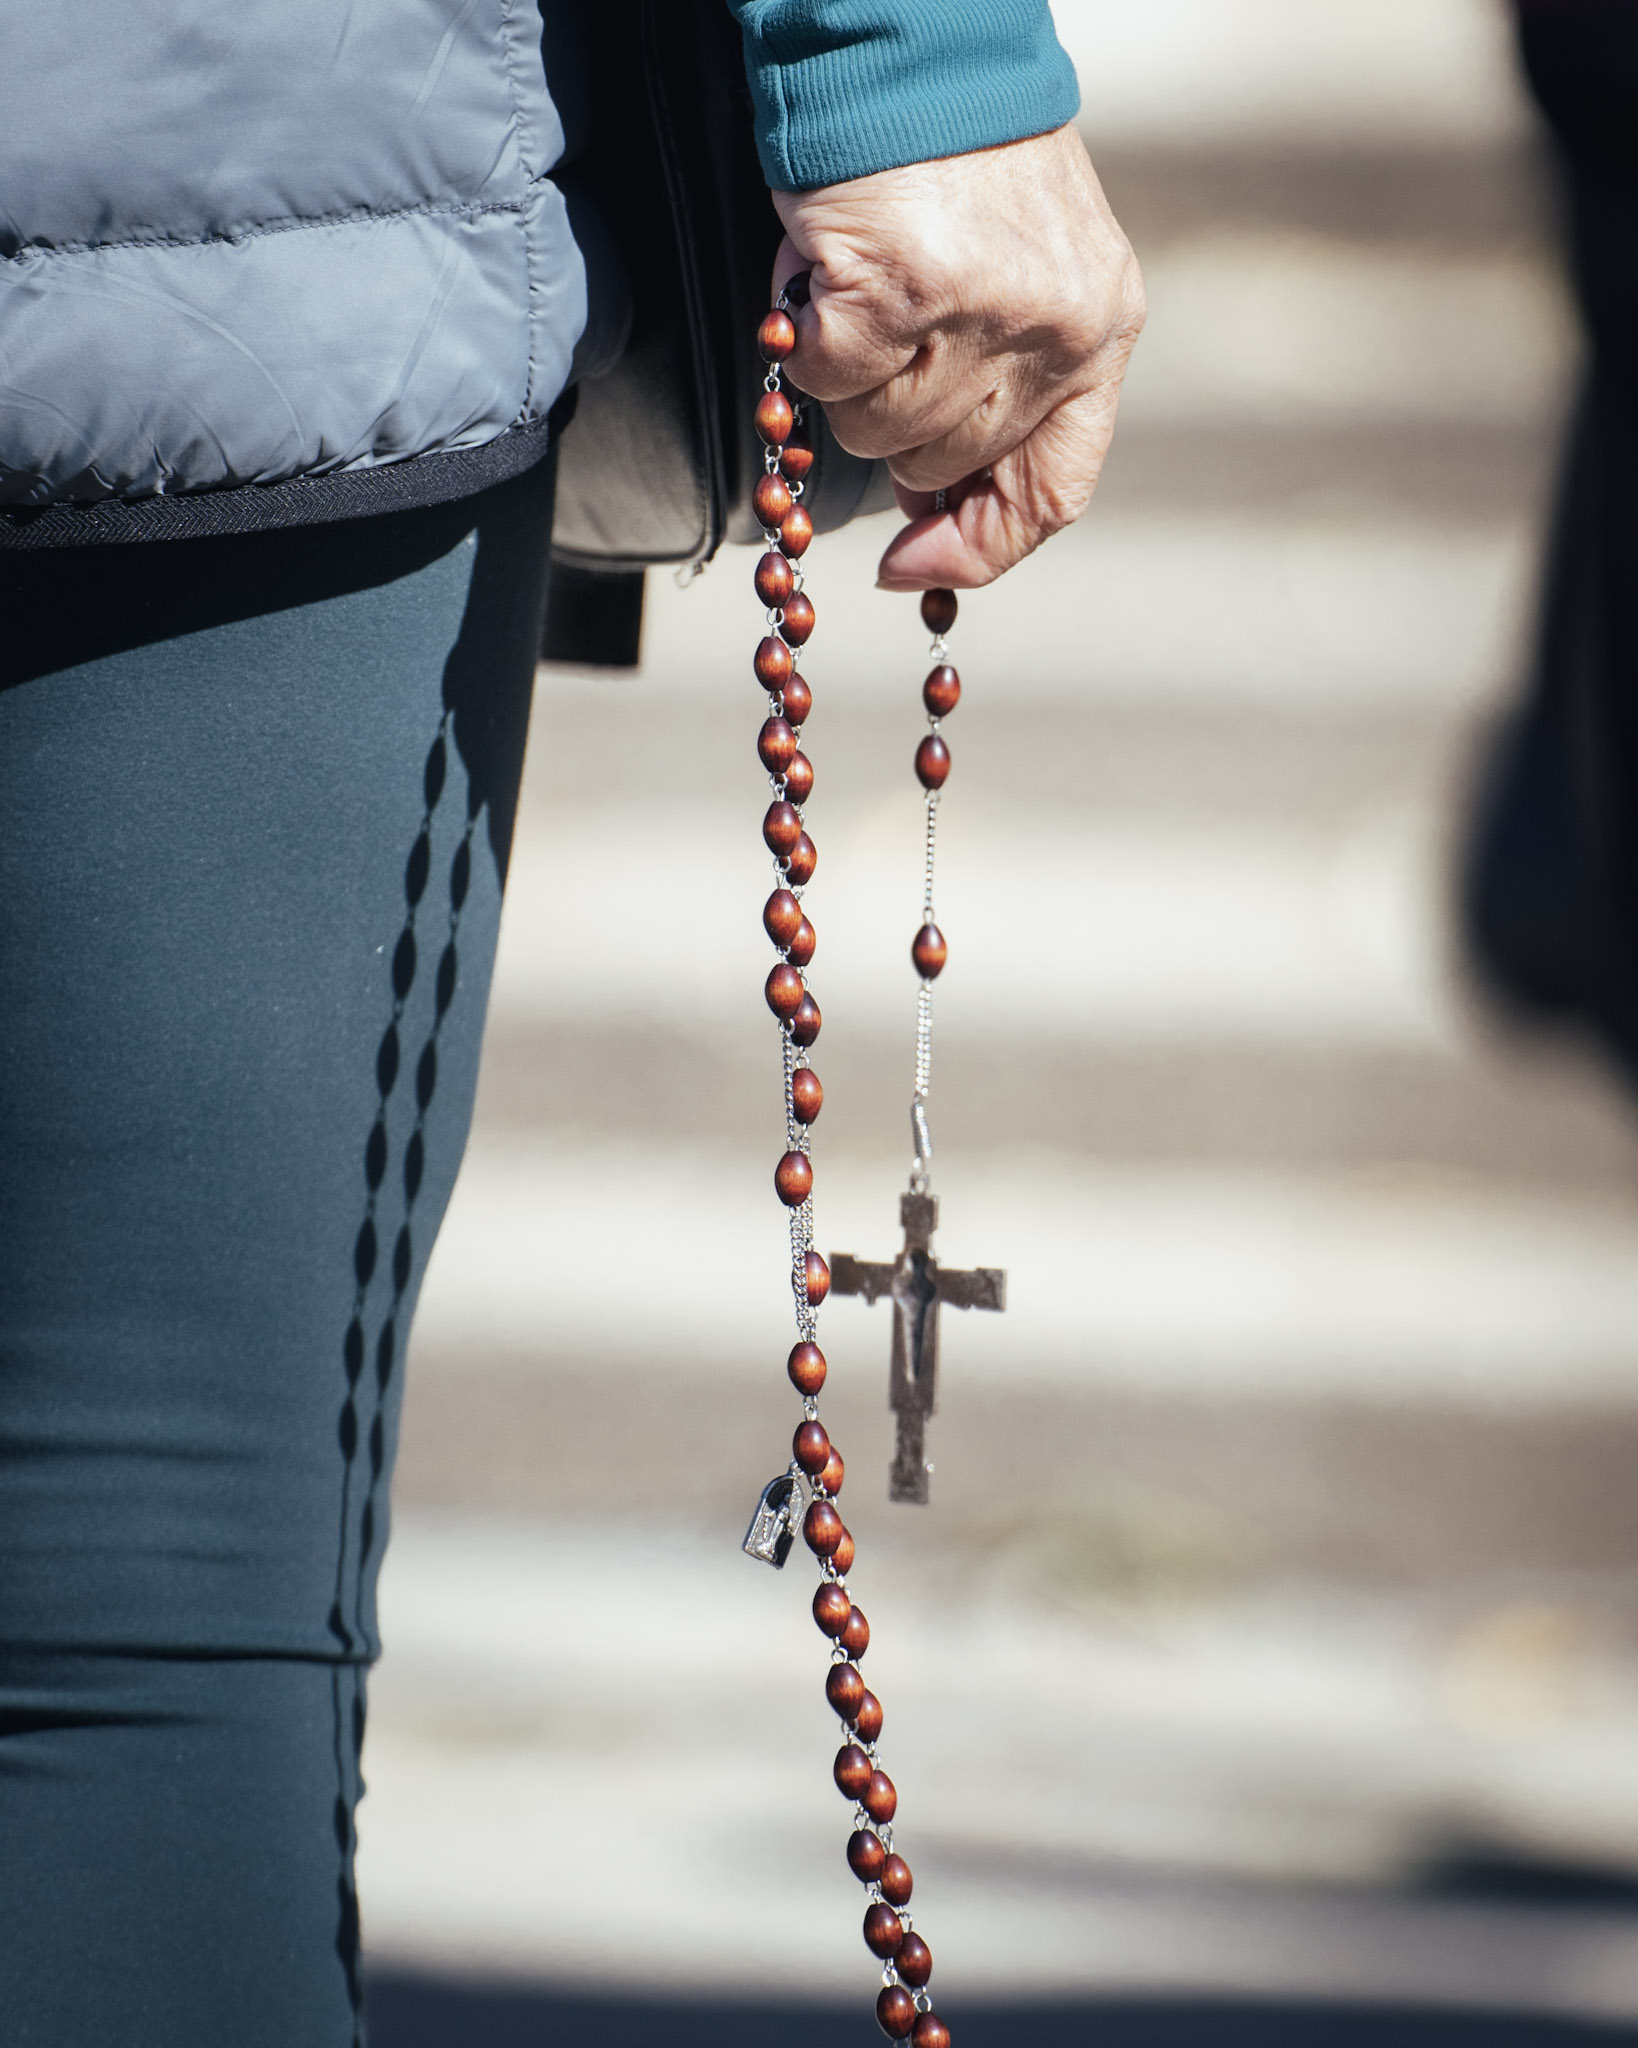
x,y
1274,1631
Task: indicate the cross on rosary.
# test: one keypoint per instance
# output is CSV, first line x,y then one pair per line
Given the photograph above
x,y
918,1286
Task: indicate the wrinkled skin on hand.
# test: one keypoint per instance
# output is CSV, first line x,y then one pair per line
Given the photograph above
x,y
971,321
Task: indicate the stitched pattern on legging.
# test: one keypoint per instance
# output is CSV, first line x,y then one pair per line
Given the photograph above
x,y
403,1251
351,1634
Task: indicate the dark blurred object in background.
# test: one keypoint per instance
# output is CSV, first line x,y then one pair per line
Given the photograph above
x,y
405,2012
1551,893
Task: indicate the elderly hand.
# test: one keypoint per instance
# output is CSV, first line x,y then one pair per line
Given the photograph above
x,y
970,320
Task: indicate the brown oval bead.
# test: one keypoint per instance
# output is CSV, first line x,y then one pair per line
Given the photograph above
x,y
868,1720
929,2032
932,762
774,417
938,610
795,532
852,1771
781,917
796,458
810,1447
772,501
799,620
844,1688
799,866
806,1367
798,777
855,1638
781,827
914,1961
831,1608
895,2012
834,1473
804,1030
776,745
880,1798
842,1555
941,692
822,1529
801,949
776,337
929,952
865,1854
807,1095
774,579
897,1883
772,662
793,1179
814,1268
798,700
883,1931
784,990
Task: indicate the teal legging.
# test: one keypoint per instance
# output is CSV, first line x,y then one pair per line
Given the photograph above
x,y
256,798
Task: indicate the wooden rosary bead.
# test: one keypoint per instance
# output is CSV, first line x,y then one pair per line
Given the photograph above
x,y
781,917
774,579
798,700
914,1961
929,2032
932,761
807,1096
772,662
817,1272
798,777
929,952
804,1030
822,1529
795,532
855,1638
799,866
831,1608
784,990
941,692
772,501
842,1555
799,620
865,1854
844,1688
774,417
879,1798
781,828
810,1447
776,745
793,1179
852,1771
797,289
776,337
938,610
796,458
834,1473
895,2012
883,1930
806,1367
897,1883
803,942
867,1721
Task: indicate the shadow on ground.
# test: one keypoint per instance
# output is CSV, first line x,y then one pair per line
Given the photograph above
x,y
412,2012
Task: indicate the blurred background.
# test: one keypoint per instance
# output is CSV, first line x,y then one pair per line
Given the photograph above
x,y
1266,1666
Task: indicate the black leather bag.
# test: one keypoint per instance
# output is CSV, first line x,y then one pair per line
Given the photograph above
x,y
659,460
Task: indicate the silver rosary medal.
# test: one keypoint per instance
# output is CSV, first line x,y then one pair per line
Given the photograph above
x,y
773,1526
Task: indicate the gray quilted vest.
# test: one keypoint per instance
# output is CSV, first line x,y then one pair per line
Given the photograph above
x,y
260,258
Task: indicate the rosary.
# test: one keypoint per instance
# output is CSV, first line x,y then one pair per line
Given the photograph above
x,y
914,1281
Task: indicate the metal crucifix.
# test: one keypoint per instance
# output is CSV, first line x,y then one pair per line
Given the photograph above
x,y
918,1285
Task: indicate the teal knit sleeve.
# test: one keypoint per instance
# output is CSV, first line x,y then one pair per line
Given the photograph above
x,y
846,87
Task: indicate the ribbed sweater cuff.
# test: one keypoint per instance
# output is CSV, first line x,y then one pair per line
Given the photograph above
x,y
846,87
